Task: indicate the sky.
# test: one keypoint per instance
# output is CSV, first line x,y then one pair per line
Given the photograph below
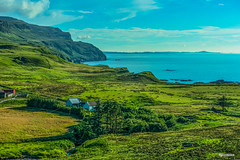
x,y
138,25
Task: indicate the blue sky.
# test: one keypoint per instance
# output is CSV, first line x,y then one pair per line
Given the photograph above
x,y
138,25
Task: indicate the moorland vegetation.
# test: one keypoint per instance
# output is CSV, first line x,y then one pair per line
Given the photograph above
x,y
138,116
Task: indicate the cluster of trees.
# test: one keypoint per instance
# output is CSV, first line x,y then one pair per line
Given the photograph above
x,y
224,103
109,118
113,118
39,102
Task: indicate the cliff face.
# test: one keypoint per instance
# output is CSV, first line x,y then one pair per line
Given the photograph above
x,y
59,42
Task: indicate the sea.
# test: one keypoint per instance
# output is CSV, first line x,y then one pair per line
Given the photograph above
x,y
181,67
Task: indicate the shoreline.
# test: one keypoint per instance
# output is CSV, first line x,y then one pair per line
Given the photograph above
x,y
168,77
179,81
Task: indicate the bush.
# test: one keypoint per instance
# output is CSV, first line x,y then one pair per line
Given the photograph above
x,y
157,127
171,122
39,102
167,116
10,154
83,132
144,111
138,126
127,125
99,143
182,120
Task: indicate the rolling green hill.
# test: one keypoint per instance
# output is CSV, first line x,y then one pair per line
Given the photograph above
x,y
60,43
198,128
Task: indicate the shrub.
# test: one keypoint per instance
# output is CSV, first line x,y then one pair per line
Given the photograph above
x,y
157,127
127,125
99,143
138,126
224,102
171,122
182,120
39,102
10,154
83,132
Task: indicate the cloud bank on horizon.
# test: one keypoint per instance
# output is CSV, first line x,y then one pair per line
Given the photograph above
x,y
138,25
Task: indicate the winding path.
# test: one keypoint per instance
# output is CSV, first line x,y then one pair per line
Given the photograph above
x,y
7,100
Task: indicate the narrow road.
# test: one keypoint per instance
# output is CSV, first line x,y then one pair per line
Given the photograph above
x,y
7,100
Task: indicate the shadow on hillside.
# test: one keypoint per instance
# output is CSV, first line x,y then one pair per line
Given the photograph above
x,y
206,109
31,109
53,138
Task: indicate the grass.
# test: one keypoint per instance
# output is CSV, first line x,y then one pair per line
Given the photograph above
x,y
49,76
205,143
20,124
36,150
33,133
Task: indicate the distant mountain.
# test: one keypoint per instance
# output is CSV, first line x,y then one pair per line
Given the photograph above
x,y
169,52
61,43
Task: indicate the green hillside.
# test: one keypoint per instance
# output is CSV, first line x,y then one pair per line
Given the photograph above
x,y
60,43
163,120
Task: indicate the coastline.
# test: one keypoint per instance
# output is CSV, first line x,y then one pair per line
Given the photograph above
x,y
180,81
178,67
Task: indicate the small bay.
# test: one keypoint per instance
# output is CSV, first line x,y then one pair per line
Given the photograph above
x,y
179,67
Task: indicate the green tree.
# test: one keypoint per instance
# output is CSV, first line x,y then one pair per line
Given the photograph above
x,y
83,132
224,103
112,116
96,120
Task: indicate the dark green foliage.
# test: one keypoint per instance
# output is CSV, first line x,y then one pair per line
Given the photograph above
x,y
158,127
54,105
171,122
138,126
145,120
214,109
167,116
128,125
83,132
183,120
224,102
108,117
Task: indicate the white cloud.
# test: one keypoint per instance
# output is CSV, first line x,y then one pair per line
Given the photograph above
x,y
132,14
145,5
54,17
27,8
139,39
83,37
137,6
85,12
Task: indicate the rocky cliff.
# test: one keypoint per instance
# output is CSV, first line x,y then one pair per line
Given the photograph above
x,y
61,43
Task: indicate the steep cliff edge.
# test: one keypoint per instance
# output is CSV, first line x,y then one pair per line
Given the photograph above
x,y
61,43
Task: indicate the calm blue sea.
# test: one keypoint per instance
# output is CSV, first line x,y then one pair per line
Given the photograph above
x,y
178,67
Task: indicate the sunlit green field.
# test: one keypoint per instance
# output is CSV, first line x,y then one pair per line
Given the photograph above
x,y
33,133
205,143
31,69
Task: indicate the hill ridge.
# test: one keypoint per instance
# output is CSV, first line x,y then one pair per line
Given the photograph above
x,y
61,43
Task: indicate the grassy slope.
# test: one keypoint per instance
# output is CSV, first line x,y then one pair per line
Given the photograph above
x,y
52,77
13,30
19,124
205,143
32,132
